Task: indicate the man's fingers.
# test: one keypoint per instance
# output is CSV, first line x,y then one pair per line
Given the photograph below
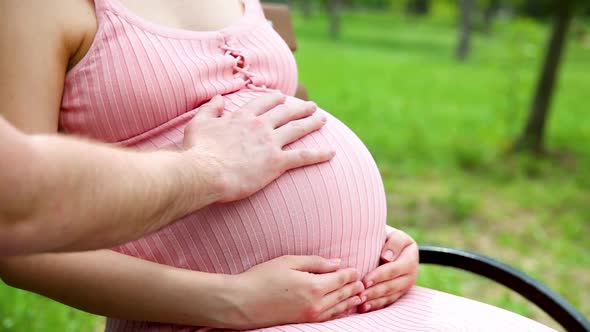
x,y
282,114
304,157
341,294
329,282
212,109
379,303
311,264
262,104
339,309
297,129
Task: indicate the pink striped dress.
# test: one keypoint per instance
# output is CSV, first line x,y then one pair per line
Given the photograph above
x,y
139,84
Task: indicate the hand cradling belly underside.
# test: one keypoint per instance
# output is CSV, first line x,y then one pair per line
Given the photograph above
x,y
335,209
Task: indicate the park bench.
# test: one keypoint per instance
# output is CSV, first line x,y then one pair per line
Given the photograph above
x,y
550,302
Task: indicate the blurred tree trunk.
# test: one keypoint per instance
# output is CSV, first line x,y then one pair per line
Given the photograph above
x,y
531,138
306,8
489,14
334,12
418,7
465,27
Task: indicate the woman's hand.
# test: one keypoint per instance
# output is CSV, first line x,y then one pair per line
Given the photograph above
x,y
292,289
391,280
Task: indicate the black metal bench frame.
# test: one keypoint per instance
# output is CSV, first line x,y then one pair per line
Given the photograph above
x,y
550,302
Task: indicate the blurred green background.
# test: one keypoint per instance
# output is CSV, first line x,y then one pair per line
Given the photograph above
x,y
441,131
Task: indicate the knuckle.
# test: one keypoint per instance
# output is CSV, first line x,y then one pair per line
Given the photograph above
x,y
305,155
359,287
312,312
369,293
389,288
277,96
298,128
342,295
275,157
342,278
349,275
392,274
257,122
315,260
316,290
354,301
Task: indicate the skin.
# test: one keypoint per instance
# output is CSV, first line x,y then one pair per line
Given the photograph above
x,y
48,41
160,187
295,288
398,273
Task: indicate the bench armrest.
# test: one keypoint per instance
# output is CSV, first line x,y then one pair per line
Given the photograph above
x,y
280,17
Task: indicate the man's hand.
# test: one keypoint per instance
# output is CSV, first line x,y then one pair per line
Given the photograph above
x,y
293,289
81,203
244,149
390,281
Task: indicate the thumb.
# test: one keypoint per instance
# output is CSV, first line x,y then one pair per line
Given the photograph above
x,y
313,264
212,109
395,244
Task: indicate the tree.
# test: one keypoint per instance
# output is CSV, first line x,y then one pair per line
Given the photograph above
x,y
465,28
306,8
531,139
418,7
489,13
334,12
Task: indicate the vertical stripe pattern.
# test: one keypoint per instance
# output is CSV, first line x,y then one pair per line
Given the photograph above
x,y
138,86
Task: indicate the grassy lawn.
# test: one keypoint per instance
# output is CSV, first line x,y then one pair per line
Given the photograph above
x,y
439,131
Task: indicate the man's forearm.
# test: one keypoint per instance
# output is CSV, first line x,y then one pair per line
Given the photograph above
x,y
119,194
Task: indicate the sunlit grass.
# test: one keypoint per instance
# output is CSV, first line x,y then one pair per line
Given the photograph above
x,y
440,131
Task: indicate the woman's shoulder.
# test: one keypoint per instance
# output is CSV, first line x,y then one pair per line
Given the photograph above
x,y
63,25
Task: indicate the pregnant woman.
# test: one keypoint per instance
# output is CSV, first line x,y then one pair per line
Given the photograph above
x,y
139,71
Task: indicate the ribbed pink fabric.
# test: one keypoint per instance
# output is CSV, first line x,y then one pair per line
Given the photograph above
x,y
138,86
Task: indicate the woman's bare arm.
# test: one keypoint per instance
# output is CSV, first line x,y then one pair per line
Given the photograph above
x,y
294,288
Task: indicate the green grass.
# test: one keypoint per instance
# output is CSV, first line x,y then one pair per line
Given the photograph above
x,y
22,311
439,131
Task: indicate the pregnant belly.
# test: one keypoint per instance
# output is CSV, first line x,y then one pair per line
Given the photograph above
x,y
334,209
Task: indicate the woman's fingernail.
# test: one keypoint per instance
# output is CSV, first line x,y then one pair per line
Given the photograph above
x,y
367,307
369,283
363,298
388,256
357,301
